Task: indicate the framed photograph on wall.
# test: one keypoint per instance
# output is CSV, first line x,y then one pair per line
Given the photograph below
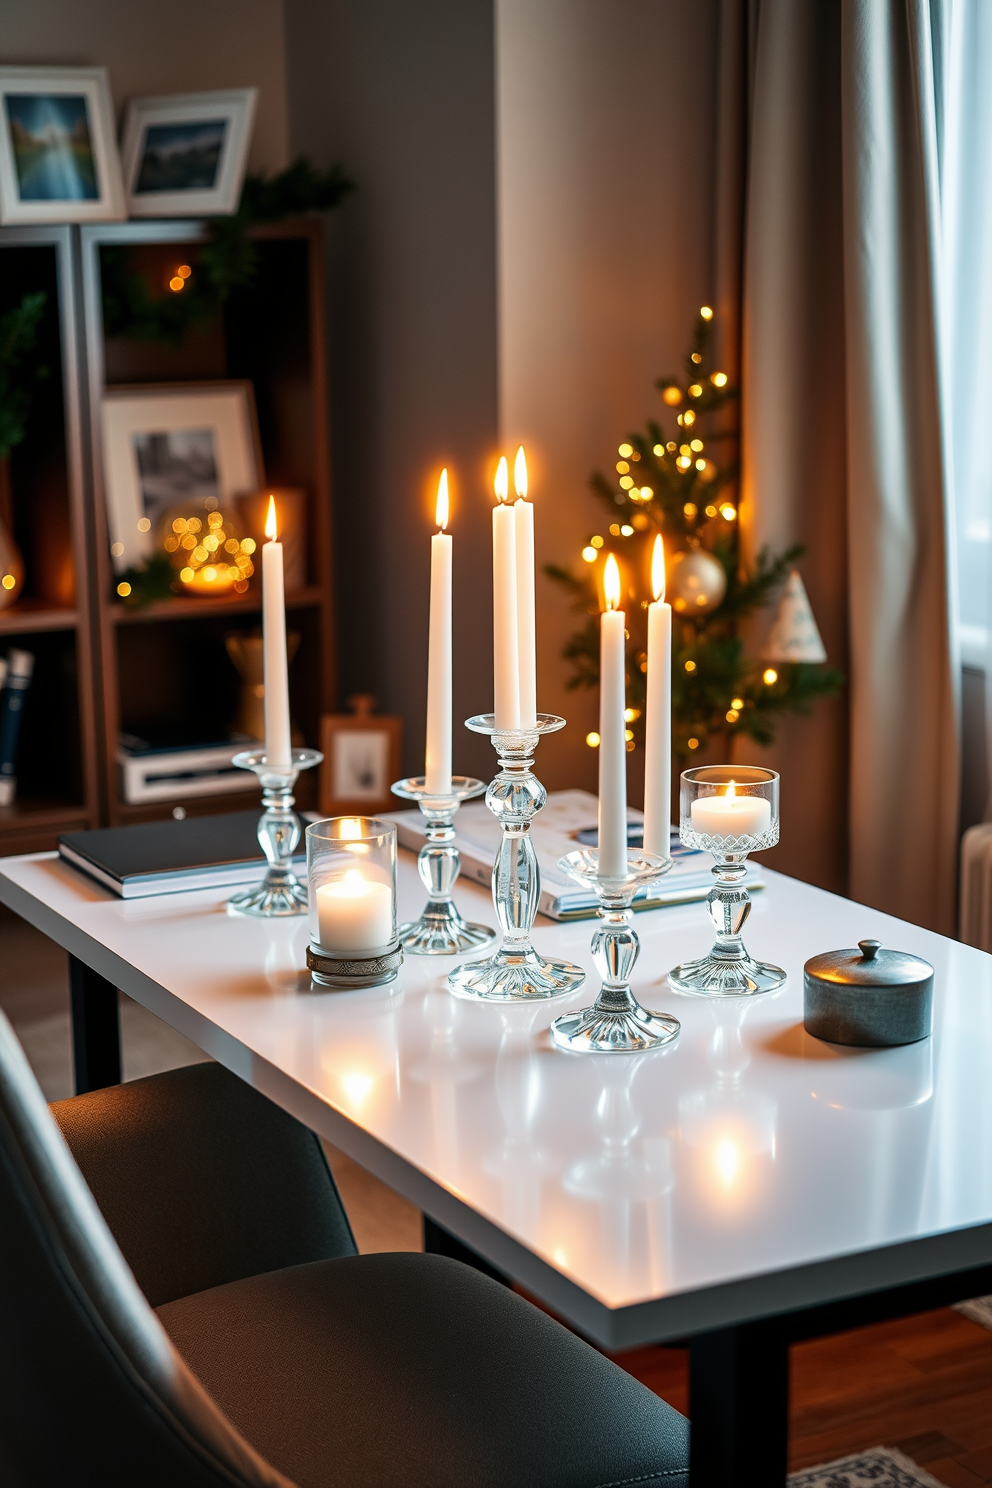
x,y
58,151
164,444
185,155
361,760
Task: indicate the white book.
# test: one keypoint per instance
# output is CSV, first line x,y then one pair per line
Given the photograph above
x,y
567,823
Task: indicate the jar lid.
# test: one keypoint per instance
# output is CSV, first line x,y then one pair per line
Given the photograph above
x,y
869,966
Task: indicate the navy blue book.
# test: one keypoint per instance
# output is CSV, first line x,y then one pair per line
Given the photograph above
x,y
20,665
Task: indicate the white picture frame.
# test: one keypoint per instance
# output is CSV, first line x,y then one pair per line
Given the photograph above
x,y
58,147
184,155
164,443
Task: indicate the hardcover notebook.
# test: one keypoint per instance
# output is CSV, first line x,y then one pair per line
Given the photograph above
x,y
168,857
567,822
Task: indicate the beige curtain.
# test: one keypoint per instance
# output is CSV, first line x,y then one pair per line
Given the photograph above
x,y
842,446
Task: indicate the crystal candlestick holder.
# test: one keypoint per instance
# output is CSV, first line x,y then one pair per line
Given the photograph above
x,y
515,973
441,930
280,892
729,811
615,1023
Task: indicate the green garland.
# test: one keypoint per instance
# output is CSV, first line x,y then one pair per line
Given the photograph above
x,y
18,334
670,483
226,262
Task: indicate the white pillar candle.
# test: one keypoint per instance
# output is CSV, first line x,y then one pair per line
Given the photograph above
x,y
612,735
277,737
523,513
731,815
658,721
506,659
354,913
437,764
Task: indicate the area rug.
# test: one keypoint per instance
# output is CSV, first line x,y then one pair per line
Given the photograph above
x,y
979,1309
880,1468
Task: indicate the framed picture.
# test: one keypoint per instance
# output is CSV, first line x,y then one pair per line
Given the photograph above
x,y
164,444
361,760
58,151
185,155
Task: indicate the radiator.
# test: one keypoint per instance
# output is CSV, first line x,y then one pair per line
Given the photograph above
x,y
976,887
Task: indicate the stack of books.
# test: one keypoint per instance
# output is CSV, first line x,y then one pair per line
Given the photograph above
x,y
567,823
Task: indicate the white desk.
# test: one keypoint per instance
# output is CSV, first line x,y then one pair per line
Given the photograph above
x,y
737,1180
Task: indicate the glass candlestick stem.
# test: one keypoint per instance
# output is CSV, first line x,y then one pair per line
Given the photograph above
x,y
441,929
615,1023
516,972
280,893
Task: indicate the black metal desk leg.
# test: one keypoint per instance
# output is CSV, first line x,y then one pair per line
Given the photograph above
x,y
96,1028
739,1407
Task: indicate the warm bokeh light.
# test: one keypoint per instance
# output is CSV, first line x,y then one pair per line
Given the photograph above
x,y
123,589
611,583
769,677
596,542
658,568
501,480
593,740
176,284
728,512
718,379
271,528
441,507
672,396
706,312
590,554
520,473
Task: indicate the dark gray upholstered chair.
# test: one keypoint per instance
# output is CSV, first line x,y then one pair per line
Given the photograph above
x,y
274,1355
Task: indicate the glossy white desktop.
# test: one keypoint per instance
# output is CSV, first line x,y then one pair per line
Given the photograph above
x,y
744,1172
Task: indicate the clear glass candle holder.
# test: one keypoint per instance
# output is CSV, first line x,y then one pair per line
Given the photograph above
x,y
351,873
729,811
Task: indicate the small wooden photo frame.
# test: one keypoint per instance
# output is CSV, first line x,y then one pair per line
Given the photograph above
x,y
361,760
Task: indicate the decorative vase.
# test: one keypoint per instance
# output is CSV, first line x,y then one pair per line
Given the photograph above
x,y
245,650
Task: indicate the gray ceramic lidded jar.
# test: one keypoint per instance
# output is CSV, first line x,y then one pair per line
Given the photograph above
x,y
868,997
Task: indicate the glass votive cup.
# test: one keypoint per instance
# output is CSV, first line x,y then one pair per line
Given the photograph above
x,y
351,874
729,809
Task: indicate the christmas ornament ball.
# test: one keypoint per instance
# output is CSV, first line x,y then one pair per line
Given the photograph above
x,y
696,582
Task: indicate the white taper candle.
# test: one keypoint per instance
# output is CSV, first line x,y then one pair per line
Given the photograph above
x,y
612,735
437,764
523,513
658,720
506,660
278,749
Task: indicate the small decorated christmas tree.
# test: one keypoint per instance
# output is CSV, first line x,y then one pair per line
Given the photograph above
x,y
681,483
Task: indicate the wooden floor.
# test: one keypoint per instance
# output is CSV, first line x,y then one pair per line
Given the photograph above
x,y
922,1384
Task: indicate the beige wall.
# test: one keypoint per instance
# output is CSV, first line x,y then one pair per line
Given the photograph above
x,y
180,46
605,146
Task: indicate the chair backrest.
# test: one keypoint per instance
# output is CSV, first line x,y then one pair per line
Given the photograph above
x,y
91,1389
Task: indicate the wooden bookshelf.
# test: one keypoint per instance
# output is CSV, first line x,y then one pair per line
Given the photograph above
x,y
58,767
102,666
165,663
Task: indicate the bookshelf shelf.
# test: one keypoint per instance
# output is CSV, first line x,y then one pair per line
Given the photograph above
x,y
29,615
193,609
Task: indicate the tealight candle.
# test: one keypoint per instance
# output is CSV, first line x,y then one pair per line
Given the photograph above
x,y
354,913
731,815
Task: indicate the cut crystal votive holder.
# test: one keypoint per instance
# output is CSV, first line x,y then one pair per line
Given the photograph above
x,y
441,930
351,871
615,1023
729,811
280,893
516,972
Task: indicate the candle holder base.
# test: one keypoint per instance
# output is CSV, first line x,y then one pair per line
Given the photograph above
x,y
351,973
516,972
615,1023
723,975
280,893
441,929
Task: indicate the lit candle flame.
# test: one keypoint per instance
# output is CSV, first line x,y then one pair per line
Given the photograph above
x,y
351,827
658,568
730,793
611,583
441,511
520,474
270,520
501,479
